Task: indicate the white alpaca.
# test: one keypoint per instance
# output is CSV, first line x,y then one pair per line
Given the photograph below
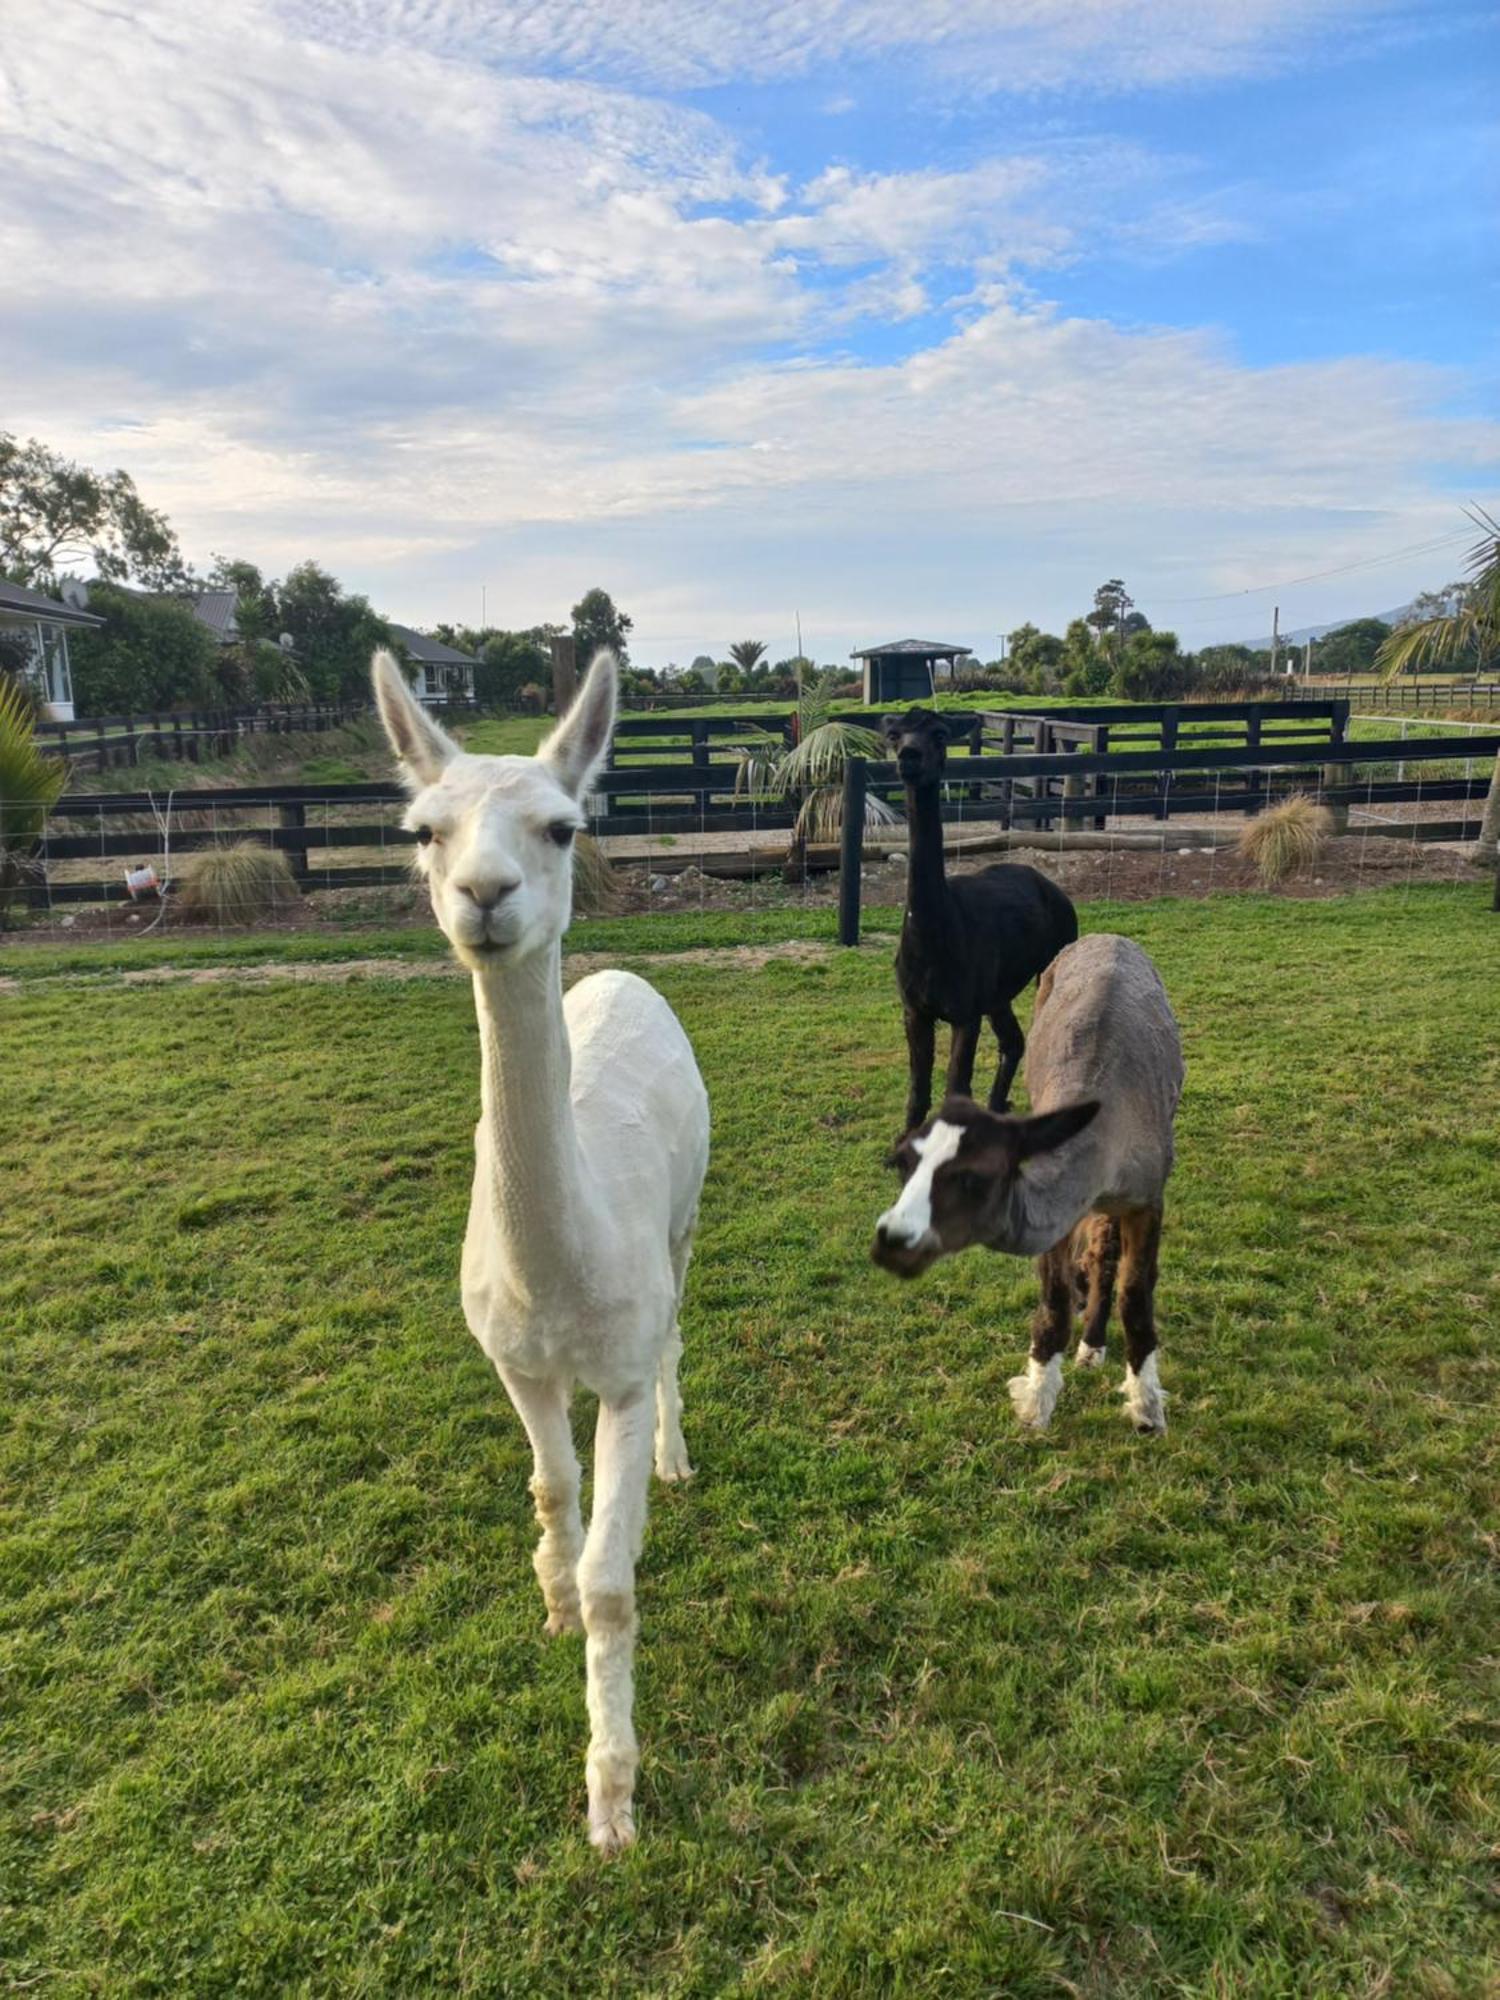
x,y
589,1158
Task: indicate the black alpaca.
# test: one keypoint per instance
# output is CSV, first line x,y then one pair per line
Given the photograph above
x,y
969,946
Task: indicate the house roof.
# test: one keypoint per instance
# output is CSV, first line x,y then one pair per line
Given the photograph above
x,y
216,609
16,598
915,649
431,652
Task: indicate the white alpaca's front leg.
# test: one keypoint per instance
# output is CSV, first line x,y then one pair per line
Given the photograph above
x,y
543,1409
1145,1398
671,1447
606,1586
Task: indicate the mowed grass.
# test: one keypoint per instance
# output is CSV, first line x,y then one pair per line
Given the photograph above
x,y
927,1706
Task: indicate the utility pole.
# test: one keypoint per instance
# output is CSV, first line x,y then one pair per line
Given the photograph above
x,y
483,614
1275,634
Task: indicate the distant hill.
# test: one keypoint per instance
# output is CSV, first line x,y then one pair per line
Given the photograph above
x,y
1305,632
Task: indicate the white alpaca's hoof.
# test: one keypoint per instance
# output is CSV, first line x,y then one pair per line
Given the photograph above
x,y
1035,1393
1145,1399
613,1831
569,1619
672,1467
1088,1357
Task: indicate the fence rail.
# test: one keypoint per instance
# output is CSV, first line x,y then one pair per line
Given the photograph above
x,y
186,735
1137,763
1410,697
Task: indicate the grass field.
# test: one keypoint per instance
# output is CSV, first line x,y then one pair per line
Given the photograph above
x,y
927,1706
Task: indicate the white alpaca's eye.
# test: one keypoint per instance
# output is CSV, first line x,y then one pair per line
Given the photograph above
x,y
424,834
561,831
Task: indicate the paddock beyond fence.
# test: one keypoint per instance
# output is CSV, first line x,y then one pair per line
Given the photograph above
x,y
1098,774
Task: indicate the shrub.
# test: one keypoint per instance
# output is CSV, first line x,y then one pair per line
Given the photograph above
x,y
244,883
29,785
1285,838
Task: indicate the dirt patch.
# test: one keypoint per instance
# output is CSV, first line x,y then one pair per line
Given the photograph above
x,y
340,972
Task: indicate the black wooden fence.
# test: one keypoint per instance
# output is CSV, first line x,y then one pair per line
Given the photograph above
x,y
186,735
349,836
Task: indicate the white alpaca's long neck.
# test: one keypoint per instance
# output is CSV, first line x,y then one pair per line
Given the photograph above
x,y
539,1195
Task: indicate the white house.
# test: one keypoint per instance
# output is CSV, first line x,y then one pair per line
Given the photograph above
x,y
443,673
43,623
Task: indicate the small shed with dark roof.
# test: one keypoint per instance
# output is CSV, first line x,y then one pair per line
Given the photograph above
x,y
905,669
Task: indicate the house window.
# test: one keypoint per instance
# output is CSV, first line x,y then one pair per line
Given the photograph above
x,y
57,683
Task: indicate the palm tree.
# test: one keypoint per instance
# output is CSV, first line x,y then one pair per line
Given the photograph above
x,y
1473,628
29,785
811,772
747,653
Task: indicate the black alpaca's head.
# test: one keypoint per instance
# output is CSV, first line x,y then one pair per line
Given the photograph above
x,y
919,742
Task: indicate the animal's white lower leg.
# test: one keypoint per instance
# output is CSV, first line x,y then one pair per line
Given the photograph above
x,y
1145,1398
606,1585
1088,1357
671,1447
1035,1393
543,1408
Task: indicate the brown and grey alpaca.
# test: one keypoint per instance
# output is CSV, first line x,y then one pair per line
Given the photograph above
x,y
1079,1185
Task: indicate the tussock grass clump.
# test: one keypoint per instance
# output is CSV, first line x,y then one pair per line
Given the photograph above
x,y
596,892
1285,837
244,883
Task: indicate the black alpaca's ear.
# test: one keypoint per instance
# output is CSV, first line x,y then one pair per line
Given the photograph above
x,y
1051,1129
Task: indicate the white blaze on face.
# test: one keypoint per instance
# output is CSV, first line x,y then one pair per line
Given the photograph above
x,y
911,1217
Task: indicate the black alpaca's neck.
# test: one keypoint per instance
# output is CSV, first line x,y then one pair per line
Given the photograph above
x,y
926,883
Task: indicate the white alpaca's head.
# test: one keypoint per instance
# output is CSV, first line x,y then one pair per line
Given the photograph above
x,y
496,833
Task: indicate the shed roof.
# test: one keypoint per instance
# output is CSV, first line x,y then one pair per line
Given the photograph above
x,y
916,649
431,651
216,609
15,597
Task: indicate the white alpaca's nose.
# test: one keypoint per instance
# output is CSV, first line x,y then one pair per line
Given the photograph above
x,y
488,892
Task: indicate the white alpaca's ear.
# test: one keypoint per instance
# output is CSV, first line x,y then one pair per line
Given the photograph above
x,y
579,744
416,739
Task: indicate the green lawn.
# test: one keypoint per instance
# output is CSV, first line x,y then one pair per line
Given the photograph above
x,y
927,1706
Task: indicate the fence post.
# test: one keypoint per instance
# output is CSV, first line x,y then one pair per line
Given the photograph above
x,y
1169,720
852,848
295,814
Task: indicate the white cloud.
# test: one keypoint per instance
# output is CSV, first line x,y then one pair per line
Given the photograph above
x,y
349,281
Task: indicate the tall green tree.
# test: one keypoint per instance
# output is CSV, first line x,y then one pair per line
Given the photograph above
x,y
599,623
333,635
747,654
1112,605
150,653
1352,649
1152,667
57,516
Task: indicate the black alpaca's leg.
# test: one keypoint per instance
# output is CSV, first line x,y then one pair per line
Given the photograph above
x,y
921,1033
1035,1393
1098,1237
961,1054
1012,1047
1140,1243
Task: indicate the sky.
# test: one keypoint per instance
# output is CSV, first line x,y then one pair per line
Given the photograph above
x,y
898,317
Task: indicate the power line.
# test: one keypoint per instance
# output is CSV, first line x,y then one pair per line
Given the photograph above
x,y
1316,576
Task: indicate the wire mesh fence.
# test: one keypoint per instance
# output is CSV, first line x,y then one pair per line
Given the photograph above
x,y
288,858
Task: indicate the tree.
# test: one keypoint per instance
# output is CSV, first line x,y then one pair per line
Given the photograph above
x,y
1111,604
747,654
508,662
1352,649
1152,667
256,667
1472,630
332,635
598,623
1086,666
812,771
56,516
150,653
1035,657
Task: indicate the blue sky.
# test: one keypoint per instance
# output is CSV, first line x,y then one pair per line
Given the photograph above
x,y
900,315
